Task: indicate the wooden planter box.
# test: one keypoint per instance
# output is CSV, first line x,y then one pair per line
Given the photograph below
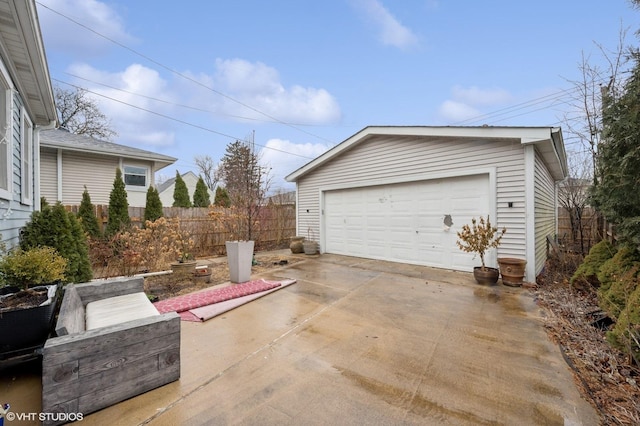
x,y
85,370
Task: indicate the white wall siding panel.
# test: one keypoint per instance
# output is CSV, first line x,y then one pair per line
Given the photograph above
x,y
404,222
545,211
97,173
49,175
394,159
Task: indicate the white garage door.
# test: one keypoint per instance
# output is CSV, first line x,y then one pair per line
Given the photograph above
x,y
406,222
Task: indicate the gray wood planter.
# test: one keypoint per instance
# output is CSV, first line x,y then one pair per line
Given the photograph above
x,y
240,259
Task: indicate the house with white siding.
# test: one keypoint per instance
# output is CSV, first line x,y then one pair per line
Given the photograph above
x,y
26,107
69,162
401,193
166,188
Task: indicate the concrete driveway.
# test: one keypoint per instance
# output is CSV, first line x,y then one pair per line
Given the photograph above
x,y
356,341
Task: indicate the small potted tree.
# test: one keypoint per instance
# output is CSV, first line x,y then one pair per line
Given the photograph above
x,y
478,238
28,294
183,245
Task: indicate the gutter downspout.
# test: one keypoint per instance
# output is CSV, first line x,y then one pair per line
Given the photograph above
x,y
36,161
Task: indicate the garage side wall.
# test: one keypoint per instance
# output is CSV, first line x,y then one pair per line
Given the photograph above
x,y
384,159
545,210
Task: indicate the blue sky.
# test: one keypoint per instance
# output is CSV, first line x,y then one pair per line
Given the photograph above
x,y
186,79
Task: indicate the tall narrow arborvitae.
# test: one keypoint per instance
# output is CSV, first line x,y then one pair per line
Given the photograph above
x,y
87,216
181,193
118,206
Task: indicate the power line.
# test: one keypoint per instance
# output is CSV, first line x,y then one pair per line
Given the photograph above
x,y
164,101
177,119
192,80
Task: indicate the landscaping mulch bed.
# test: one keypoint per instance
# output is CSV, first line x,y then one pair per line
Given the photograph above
x,y
573,320
167,286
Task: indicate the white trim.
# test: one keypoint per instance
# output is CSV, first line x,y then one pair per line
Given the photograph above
x,y
526,135
37,192
297,207
27,166
530,218
491,172
7,135
147,179
59,175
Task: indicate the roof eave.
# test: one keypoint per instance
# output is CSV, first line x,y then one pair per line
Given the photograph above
x,y
39,100
525,134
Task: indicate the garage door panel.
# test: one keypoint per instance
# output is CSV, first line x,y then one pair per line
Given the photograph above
x,y
405,222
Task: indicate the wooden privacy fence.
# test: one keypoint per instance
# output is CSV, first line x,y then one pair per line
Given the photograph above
x,y
276,224
580,236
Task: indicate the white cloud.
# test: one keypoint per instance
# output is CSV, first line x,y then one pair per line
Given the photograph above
x,y
466,102
254,90
64,35
284,157
390,31
457,111
476,96
134,125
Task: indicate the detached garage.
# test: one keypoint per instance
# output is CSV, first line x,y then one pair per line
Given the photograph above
x,y
402,193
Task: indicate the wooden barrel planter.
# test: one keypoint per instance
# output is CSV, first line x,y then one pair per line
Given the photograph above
x,y
512,270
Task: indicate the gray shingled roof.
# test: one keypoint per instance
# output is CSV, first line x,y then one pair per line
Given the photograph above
x,y
63,139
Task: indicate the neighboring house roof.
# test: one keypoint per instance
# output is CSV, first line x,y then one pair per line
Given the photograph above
x,y
23,52
63,139
283,198
547,139
166,188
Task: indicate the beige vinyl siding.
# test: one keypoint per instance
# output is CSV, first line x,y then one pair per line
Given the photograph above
x,y
96,172
545,210
406,158
49,175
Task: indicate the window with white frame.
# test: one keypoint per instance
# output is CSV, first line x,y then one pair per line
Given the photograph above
x,y
135,176
5,141
26,142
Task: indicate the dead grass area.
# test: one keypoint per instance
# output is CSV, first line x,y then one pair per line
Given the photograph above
x,y
171,285
605,376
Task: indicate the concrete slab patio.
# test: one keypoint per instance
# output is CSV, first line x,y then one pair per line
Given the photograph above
x,y
356,341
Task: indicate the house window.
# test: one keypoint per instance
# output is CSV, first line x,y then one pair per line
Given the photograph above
x,y
26,142
135,176
5,142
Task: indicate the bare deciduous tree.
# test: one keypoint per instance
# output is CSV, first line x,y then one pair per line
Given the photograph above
x,y
573,197
247,183
583,125
583,129
81,115
208,171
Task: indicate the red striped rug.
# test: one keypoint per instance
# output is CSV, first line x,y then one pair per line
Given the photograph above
x,y
208,297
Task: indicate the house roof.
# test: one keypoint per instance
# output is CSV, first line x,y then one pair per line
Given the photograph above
x,y
63,139
167,183
548,140
22,49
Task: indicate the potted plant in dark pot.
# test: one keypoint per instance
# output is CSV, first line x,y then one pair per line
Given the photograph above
x,y
182,245
478,238
28,296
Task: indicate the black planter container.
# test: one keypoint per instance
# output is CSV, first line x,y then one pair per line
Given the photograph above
x,y
29,327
